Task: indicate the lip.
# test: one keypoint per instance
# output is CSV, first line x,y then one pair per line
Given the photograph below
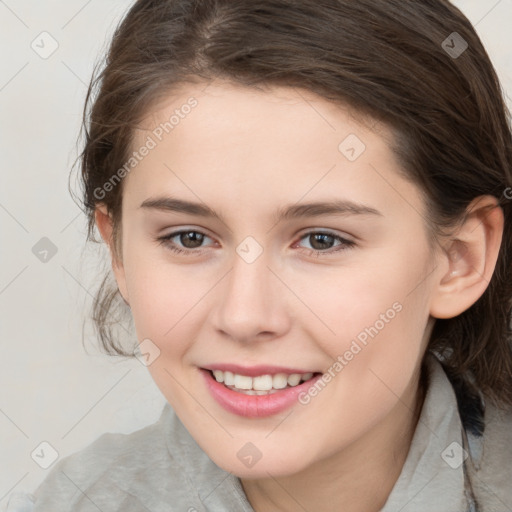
x,y
255,406
256,371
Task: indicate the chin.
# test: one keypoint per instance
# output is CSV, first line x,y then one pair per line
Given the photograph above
x,y
265,467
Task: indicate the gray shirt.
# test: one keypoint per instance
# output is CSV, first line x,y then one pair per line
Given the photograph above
x,y
160,468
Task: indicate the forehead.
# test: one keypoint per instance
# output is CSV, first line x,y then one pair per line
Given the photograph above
x,y
258,111
280,143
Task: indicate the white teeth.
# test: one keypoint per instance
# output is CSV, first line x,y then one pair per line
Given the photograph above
x,y
229,378
253,392
293,379
280,381
242,382
261,384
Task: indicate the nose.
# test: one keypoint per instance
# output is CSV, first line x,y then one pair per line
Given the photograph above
x,y
252,302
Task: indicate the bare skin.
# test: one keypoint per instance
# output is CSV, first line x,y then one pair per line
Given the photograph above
x,y
247,154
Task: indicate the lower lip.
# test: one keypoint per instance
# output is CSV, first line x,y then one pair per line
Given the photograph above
x,y
255,406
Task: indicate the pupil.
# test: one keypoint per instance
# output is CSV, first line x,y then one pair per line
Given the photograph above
x,y
193,236
323,245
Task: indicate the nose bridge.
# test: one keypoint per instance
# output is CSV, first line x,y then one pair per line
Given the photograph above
x,y
248,303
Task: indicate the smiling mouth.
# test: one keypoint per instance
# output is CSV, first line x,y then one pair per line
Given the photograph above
x,y
262,384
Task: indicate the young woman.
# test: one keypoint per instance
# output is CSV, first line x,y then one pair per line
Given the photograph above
x,y
308,211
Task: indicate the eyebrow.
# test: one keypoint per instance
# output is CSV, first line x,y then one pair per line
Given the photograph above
x,y
340,207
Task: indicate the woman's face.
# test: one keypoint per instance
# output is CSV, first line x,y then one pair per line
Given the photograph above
x,y
303,252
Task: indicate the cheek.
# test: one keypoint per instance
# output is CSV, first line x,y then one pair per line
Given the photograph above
x,y
377,316
163,301
381,297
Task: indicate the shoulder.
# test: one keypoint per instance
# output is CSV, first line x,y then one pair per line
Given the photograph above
x,y
115,472
492,460
75,473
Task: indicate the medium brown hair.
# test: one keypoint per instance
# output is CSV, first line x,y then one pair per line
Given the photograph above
x,y
388,60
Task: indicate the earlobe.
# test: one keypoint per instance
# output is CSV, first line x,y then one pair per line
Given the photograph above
x,y
105,226
469,259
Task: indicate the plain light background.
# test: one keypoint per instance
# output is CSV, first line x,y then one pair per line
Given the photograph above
x,y
51,389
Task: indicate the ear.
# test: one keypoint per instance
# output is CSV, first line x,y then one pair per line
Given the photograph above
x,y
469,259
105,226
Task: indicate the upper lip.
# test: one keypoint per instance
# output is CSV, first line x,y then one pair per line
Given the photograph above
x,y
255,371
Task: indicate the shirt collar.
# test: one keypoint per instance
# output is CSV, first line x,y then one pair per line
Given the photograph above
x,y
432,476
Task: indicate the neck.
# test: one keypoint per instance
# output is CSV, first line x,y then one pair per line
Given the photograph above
x,y
359,478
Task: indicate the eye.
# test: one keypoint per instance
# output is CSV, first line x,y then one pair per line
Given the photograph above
x,y
190,238
191,242
321,241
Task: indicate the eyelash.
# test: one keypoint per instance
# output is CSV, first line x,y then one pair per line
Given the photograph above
x,y
166,241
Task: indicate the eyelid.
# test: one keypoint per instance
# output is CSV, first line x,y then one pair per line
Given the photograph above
x,y
345,241
326,231
179,230
299,236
